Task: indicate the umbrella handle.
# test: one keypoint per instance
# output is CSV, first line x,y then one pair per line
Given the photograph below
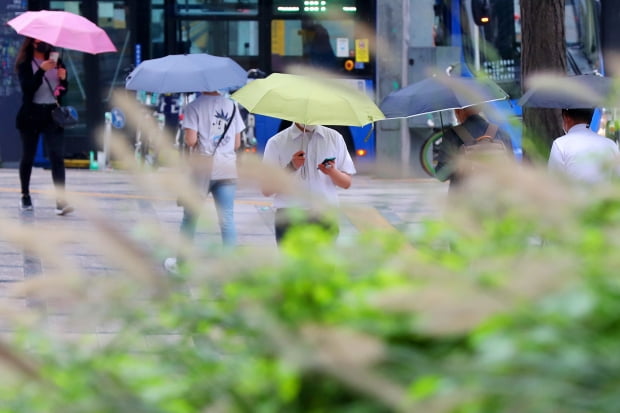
x,y
372,127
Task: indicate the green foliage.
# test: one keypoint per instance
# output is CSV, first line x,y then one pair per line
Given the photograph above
x,y
496,311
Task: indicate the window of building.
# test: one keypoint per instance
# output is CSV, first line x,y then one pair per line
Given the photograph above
x,y
216,7
329,44
157,29
232,38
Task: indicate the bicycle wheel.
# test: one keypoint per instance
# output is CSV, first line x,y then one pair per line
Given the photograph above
x,y
429,153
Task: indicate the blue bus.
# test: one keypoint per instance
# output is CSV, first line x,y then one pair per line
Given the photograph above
x,y
445,36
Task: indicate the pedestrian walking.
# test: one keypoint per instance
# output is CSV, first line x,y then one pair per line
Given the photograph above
x,y
318,159
471,126
43,81
212,129
582,154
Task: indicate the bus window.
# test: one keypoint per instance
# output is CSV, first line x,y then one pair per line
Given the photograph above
x,y
216,7
500,41
441,28
500,44
234,38
320,43
582,42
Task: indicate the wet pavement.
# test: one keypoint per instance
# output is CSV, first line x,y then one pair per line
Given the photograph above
x,y
115,197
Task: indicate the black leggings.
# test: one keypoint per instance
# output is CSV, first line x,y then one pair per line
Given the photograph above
x,y
53,143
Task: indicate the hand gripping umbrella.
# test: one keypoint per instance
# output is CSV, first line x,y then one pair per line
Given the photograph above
x,y
63,29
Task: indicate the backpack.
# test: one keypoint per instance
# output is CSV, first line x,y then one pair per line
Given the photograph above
x,y
476,151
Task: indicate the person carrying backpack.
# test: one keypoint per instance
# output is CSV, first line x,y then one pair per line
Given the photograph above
x,y
472,137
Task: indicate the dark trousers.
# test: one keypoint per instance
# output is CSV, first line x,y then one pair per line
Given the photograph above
x,y
53,143
289,218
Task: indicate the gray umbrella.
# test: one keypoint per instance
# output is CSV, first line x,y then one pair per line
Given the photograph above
x,y
186,73
440,93
567,92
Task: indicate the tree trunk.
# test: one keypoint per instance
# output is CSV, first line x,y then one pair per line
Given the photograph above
x,y
543,50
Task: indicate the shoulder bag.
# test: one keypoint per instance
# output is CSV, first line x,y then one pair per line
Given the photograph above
x,y
201,164
61,115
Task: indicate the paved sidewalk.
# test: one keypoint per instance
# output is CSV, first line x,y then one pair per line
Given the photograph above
x,y
392,204
379,202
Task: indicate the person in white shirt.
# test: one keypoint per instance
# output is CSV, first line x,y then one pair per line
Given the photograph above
x,y
582,154
317,156
213,126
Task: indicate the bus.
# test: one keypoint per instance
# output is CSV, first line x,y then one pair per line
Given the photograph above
x,y
493,47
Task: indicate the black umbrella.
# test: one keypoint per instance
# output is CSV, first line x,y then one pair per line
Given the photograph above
x,y
440,93
567,92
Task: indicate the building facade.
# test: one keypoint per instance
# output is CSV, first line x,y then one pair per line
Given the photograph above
x,y
258,34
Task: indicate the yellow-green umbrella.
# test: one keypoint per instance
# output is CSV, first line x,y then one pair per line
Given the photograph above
x,y
309,100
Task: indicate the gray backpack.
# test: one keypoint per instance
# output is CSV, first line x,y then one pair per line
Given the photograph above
x,y
475,151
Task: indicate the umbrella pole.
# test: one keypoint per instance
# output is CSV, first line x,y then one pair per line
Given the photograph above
x,y
180,139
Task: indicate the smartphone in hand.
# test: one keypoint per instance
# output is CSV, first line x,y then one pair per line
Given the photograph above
x,y
54,56
326,162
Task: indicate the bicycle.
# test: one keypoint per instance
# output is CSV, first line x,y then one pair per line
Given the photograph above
x,y
144,149
429,154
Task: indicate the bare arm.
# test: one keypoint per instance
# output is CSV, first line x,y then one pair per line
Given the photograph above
x,y
296,162
237,141
191,137
339,178
267,191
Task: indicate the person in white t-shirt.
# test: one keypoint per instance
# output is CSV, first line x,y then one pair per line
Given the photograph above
x,y
317,157
582,154
205,120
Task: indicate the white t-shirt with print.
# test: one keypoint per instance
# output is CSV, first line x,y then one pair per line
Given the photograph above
x,y
208,115
319,144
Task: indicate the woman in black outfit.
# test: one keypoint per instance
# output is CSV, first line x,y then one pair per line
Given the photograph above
x,y
42,81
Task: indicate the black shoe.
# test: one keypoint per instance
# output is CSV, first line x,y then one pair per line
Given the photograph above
x,y
62,208
26,203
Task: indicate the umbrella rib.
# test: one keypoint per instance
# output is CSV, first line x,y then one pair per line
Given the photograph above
x,y
354,111
265,98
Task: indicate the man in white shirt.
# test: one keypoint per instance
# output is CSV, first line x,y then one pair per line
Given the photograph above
x,y
582,154
317,157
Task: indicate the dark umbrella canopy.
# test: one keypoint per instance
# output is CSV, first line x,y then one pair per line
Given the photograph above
x,y
567,92
440,93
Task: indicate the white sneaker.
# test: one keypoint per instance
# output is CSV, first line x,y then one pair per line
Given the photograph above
x,y
170,265
63,208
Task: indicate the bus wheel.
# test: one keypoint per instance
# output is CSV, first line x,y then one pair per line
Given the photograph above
x,y
429,153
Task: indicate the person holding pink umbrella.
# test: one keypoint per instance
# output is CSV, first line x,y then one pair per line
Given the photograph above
x,y
43,82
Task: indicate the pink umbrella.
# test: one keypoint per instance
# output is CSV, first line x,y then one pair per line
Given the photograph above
x,y
63,29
